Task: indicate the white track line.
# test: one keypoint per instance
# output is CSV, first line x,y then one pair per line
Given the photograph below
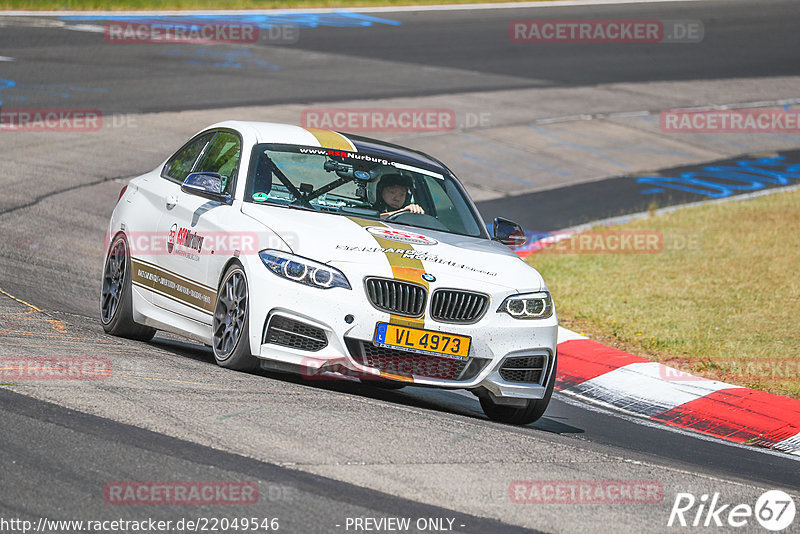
x,y
569,335
646,113
384,9
645,388
790,445
4,58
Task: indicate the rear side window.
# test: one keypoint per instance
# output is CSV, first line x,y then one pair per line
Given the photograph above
x,y
222,156
181,164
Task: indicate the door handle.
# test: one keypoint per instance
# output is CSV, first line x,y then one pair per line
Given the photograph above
x,y
172,200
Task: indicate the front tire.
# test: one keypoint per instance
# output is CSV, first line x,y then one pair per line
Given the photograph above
x,y
523,415
385,384
116,299
230,328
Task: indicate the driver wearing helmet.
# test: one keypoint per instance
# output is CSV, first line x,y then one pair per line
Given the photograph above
x,y
393,196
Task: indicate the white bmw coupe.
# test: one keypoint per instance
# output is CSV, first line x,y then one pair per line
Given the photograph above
x,y
330,254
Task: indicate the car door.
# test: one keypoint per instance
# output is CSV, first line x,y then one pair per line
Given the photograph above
x,y
152,196
195,231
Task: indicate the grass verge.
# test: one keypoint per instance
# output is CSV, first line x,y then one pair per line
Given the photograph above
x,y
149,5
721,300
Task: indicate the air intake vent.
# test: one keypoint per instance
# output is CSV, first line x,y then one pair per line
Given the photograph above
x,y
393,296
526,369
454,306
290,333
398,362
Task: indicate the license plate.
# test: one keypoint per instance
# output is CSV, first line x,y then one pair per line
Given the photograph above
x,y
422,341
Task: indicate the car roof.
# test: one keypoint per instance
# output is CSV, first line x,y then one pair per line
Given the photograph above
x,y
289,134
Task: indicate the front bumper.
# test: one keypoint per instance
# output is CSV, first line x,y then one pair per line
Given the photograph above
x,y
343,324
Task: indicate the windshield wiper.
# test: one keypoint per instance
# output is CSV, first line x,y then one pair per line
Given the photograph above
x,y
297,207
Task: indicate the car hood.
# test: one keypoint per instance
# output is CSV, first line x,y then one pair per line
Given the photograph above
x,y
344,241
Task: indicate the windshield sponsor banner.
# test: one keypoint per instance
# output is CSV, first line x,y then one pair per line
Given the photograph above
x,y
380,119
344,154
347,153
120,32
51,120
54,368
730,121
180,493
586,492
605,31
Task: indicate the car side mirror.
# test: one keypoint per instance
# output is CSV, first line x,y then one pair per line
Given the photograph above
x,y
207,185
508,232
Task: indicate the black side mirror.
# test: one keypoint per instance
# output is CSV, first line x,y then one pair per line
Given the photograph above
x,y
207,185
508,233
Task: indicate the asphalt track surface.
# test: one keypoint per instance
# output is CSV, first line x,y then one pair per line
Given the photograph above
x,y
430,53
131,431
573,205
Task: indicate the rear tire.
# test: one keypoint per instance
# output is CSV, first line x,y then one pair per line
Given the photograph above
x,y
116,298
230,327
532,411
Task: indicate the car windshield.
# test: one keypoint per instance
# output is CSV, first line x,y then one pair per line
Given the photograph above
x,y
359,184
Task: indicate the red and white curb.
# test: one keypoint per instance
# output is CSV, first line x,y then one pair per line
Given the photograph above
x,y
616,379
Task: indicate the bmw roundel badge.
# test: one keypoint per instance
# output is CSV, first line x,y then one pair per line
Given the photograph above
x,y
428,277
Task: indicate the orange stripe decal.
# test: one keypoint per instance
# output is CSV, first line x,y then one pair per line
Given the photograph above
x,y
405,269
331,139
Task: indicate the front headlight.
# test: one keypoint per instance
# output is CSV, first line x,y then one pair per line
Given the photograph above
x,y
303,270
528,306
